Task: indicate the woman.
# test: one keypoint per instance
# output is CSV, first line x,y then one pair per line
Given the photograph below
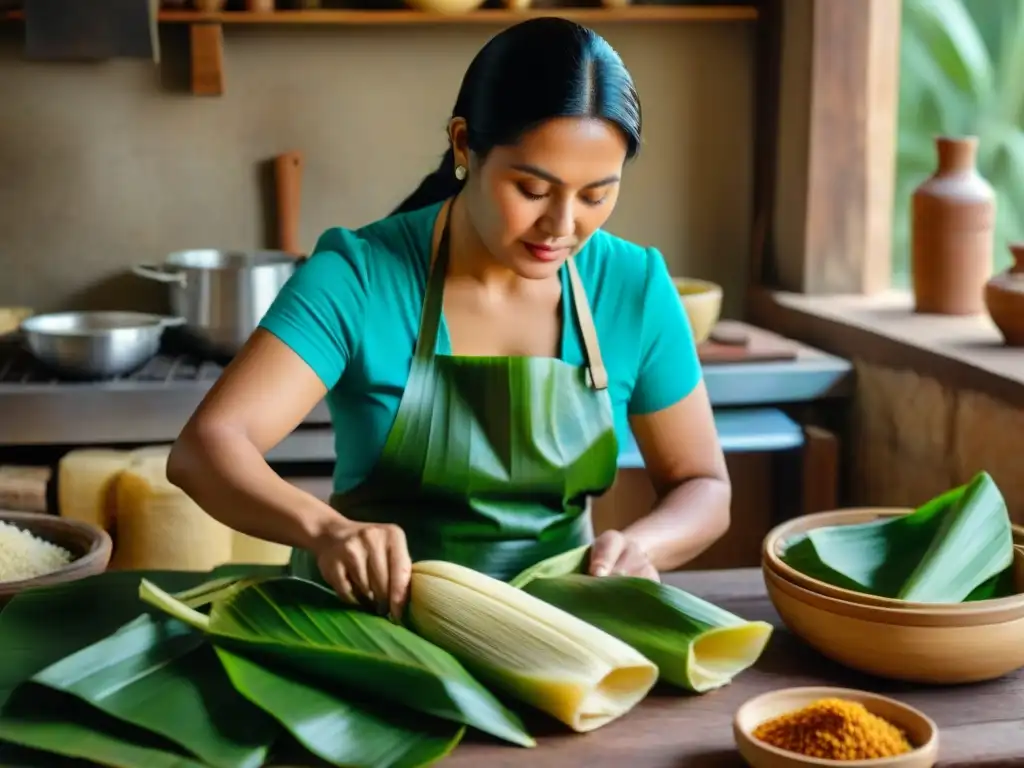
x,y
483,350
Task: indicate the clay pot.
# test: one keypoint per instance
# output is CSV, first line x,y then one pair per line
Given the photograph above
x,y
953,217
1004,298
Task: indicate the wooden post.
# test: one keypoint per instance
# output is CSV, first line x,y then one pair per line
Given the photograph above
x,y
830,229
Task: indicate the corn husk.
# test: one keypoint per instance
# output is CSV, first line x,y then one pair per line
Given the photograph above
x,y
956,547
526,647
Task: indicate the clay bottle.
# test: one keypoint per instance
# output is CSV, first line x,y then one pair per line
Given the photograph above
x,y
953,216
1004,297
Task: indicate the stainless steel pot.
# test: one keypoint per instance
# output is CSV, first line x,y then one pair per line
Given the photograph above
x,y
95,345
222,295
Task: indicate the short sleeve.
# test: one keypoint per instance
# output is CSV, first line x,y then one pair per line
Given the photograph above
x,y
320,311
669,366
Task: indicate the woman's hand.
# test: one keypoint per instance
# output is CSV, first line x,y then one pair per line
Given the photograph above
x,y
367,564
615,554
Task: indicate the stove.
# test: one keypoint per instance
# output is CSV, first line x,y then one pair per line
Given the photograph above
x,y
150,405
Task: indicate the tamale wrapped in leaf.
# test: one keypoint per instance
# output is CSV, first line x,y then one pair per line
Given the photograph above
x,y
695,644
526,647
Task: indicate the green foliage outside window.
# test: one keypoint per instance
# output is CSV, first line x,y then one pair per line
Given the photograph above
x,y
961,72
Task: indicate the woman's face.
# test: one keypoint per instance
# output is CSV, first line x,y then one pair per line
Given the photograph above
x,y
536,203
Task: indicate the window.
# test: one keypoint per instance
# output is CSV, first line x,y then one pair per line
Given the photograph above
x,y
961,72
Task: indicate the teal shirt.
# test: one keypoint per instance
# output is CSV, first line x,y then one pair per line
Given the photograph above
x,y
352,312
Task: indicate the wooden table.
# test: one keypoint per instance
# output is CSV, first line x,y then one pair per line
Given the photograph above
x,y
981,725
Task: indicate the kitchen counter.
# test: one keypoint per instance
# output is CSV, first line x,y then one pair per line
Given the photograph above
x,y
153,404
981,725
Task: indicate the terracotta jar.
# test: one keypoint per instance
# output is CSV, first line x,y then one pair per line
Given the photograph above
x,y
1004,297
953,215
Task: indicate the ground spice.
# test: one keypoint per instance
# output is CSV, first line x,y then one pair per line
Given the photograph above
x,y
834,729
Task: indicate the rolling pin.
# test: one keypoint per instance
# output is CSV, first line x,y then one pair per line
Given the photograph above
x,y
288,186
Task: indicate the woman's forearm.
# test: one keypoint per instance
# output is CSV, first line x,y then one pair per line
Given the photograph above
x,y
684,523
226,475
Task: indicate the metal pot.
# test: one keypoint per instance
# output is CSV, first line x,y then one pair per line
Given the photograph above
x,y
95,345
222,295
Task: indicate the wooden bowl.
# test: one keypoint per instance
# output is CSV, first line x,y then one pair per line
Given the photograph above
x,y
90,546
921,730
915,645
773,546
702,301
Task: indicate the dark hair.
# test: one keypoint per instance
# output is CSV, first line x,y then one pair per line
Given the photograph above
x,y
531,72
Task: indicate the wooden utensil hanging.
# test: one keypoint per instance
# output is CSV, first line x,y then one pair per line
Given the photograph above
x,y
288,187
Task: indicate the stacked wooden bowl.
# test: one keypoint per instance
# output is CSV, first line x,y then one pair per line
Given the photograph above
x,y
947,643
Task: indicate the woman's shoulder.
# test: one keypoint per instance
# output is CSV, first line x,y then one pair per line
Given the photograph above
x,y
396,243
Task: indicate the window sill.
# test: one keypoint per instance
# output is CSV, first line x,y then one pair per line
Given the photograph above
x,y
962,352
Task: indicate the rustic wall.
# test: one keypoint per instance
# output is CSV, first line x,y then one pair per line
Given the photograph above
x,y
913,438
105,165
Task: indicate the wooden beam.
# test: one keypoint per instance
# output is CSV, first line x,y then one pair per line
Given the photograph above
x,y
836,148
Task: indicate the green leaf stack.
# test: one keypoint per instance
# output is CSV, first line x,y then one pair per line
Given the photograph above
x,y
245,667
956,547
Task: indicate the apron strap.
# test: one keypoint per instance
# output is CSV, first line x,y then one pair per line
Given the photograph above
x,y
430,315
595,364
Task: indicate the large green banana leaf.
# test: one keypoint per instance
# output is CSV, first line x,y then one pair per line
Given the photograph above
x,y
696,645
336,731
958,546
303,627
86,612
163,676
44,720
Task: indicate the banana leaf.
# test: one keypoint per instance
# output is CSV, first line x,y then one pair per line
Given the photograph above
x,y
956,547
163,676
303,627
695,644
337,731
45,721
571,561
40,719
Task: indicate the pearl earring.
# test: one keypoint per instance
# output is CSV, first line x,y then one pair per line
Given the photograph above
x,y
460,172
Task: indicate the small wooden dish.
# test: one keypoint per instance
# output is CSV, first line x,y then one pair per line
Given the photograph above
x,y
921,730
90,546
999,609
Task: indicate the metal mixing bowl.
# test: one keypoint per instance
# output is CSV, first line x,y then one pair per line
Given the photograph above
x,y
95,345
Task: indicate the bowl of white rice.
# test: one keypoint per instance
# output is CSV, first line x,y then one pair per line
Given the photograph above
x,y
41,550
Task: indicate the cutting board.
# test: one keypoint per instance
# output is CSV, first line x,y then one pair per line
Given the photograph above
x,y
731,343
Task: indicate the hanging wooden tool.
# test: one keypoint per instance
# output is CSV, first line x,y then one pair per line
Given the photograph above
x,y
288,186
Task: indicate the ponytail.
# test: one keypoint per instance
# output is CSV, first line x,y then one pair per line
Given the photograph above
x,y
436,187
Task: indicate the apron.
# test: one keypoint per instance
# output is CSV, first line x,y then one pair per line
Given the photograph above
x,y
491,461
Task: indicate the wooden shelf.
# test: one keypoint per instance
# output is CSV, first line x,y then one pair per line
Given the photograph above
x,y
636,13
207,35
356,17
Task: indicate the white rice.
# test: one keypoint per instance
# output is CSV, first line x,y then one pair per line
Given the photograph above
x,y
24,556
